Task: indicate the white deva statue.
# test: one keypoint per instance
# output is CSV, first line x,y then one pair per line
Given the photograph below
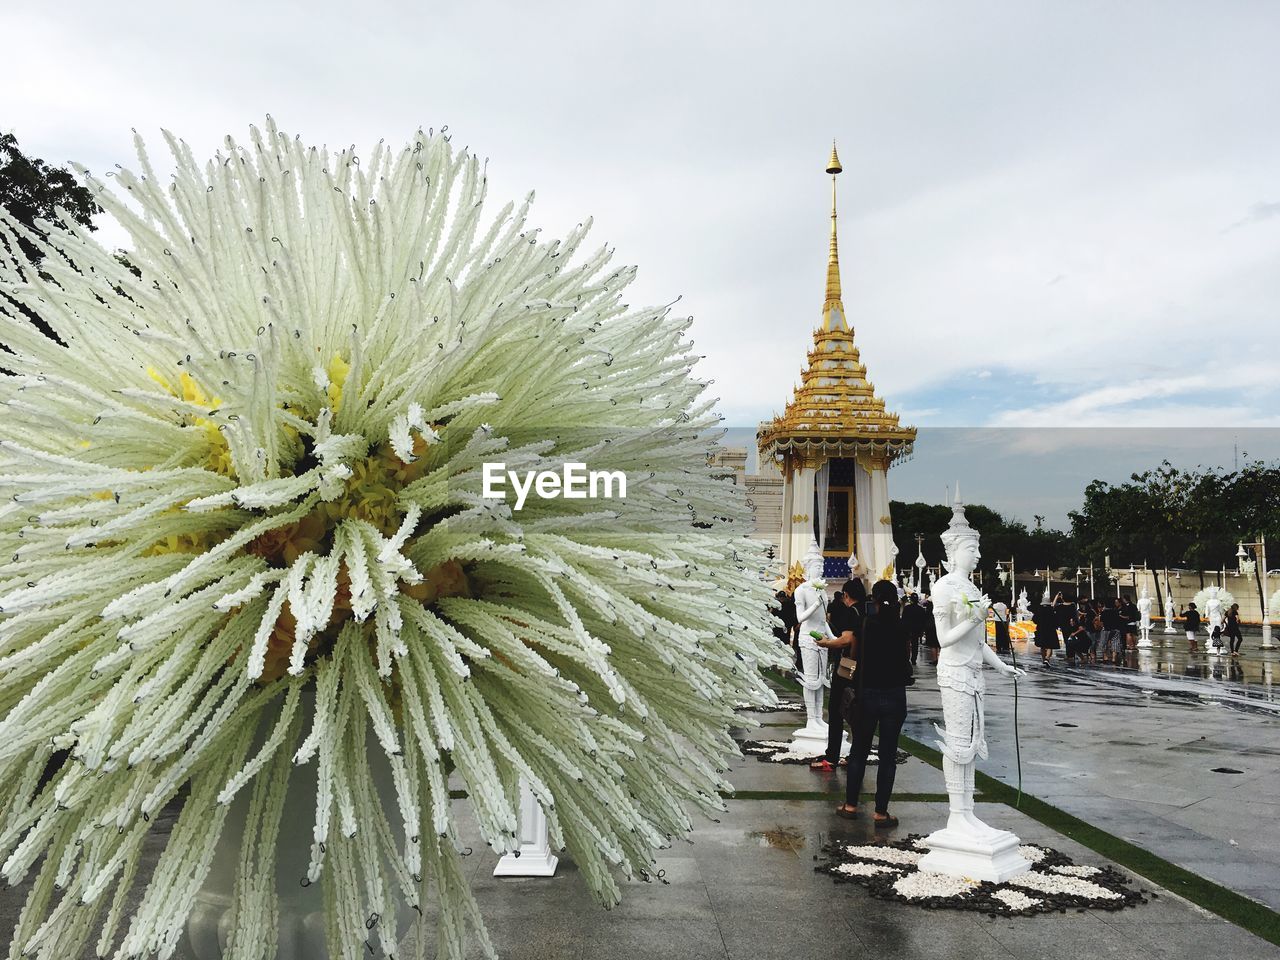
x,y
1144,618
966,847
1024,606
811,612
1170,611
1214,615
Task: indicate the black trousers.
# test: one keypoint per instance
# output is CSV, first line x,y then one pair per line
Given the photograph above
x,y
1002,637
835,715
886,710
1236,639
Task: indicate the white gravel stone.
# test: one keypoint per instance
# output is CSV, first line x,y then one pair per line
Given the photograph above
x,y
1076,870
1056,883
918,885
884,854
1015,900
864,869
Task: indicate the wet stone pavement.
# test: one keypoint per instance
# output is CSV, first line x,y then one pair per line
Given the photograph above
x,y
744,886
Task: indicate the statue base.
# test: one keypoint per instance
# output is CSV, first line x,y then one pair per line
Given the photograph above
x,y
534,857
992,856
812,739
534,860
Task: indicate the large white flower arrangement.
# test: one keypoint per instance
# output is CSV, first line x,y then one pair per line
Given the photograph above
x,y
242,527
1201,599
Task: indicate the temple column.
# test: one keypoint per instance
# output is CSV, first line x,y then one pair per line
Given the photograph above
x,y
880,563
798,519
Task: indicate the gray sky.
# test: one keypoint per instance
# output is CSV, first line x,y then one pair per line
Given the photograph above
x,y
1052,214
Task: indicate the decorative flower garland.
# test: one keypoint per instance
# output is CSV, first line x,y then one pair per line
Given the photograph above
x,y
779,751
890,871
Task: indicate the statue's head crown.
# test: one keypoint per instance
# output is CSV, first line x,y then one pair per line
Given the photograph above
x,y
813,560
958,530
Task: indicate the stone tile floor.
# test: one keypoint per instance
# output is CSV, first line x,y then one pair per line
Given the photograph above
x,y
746,889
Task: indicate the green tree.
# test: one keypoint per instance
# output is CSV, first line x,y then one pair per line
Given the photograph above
x,y
31,191
1002,539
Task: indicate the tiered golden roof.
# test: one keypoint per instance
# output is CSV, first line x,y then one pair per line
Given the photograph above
x,y
835,411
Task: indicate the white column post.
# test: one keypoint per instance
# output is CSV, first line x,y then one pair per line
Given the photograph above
x,y
534,857
1267,643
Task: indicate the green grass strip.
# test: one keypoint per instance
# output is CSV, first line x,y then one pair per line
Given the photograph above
x,y
1255,917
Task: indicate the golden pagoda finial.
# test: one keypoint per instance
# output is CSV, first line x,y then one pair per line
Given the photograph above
x,y
832,307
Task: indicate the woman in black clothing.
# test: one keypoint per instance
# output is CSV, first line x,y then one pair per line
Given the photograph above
x,y
883,670
845,619
1233,629
1046,619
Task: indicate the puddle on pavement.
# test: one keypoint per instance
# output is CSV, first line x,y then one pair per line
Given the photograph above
x,y
782,838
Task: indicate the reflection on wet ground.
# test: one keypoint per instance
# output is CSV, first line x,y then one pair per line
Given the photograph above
x,y
1249,681
780,838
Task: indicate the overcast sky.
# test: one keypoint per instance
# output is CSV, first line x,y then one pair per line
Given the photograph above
x,y
1052,214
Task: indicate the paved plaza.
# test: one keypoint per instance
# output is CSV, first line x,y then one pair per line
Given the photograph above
x,y
1129,751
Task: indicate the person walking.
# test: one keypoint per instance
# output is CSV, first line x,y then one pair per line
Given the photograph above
x,y
1112,633
883,673
1093,617
1129,617
1192,622
845,618
931,631
1000,613
915,623
1046,621
1233,629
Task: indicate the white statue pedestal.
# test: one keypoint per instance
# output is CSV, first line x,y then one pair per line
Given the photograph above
x,y
811,739
992,855
534,858
1144,641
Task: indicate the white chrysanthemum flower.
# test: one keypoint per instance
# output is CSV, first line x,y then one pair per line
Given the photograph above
x,y
1201,599
242,529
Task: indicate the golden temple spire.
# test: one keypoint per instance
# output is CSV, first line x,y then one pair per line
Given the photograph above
x,y
832,307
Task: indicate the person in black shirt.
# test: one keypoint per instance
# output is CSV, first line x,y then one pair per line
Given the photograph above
x,y
1233,629
931,631
788,629
845,619
881,679
1192,618
1046,620
915,622
1112,633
